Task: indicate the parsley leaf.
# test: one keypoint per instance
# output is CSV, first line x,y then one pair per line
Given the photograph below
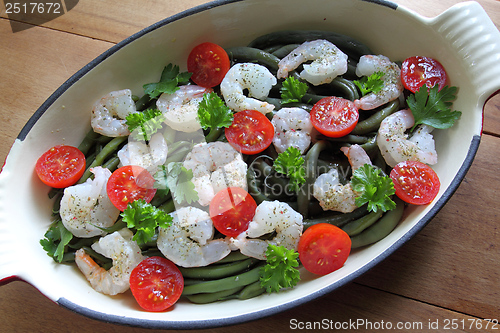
x,y
432,107
177,178
213,113
291,163
281,269
56,239
375,187
147,123
170,79
293,90
369,84
144,217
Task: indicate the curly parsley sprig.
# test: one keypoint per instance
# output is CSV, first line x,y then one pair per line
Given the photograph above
x,y
291,163
370,84
144,124
292,90
144,218
280,270
375,188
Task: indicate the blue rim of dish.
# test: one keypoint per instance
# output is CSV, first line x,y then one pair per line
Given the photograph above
x,y
158,324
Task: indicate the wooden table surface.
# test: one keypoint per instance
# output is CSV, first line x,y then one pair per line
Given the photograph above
x,y
448,274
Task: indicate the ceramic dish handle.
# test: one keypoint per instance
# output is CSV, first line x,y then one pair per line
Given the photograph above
x,y
476,40
8,262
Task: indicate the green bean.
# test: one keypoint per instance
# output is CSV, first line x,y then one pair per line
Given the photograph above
x,y
277,102
336,218
218,271
347,87
283,51
232,257
212,286
371,145
214,134
253,189
355,227
143,102
247,54
372,123
350,138
112,163
88,141
206,298
348,45
381,229
252,290
109,149
97,256
168,207
311,162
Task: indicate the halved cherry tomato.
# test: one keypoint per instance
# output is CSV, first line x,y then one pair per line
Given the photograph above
x,y
156,283
61,166
250,133
231,211
415,182
130,183
417,71
209,64
334,116
323,248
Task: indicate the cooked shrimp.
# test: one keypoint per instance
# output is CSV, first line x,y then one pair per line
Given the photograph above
x,y
188,241
395,145
215,165
331,194
181,108
256,78
124,252
392,88
109,113
328,62
293,127
270,216
148,156
86,208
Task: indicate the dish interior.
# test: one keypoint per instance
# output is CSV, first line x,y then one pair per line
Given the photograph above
x,y
141,59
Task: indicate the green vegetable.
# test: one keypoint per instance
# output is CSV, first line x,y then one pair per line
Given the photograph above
x,y
56,239
145,218
147,123
370,84
291,163
175,177
293,90
169,81
375,187
281,269
432,107
214,114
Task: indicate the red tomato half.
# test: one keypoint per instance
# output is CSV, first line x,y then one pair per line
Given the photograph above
x,y
156,283
323,248
130,183
250,133
209,64
334,116
415,182
231,211
60,166
417,71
